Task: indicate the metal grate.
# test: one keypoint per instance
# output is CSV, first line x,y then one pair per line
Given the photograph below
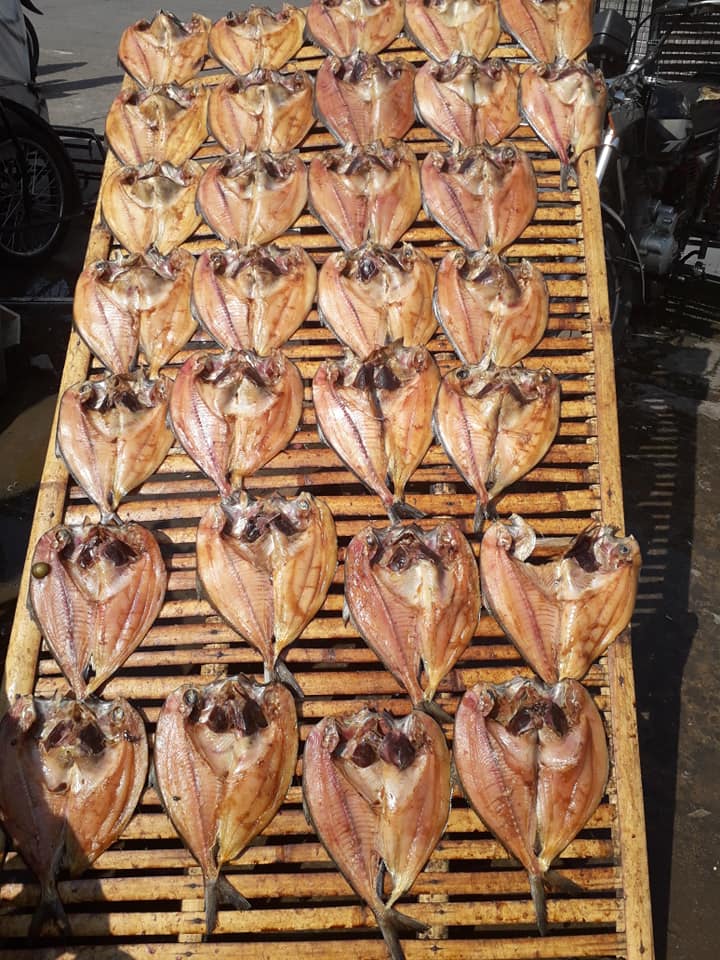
x,y
692,47
637,12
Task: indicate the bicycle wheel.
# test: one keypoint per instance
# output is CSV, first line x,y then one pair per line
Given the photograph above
x,y
38,190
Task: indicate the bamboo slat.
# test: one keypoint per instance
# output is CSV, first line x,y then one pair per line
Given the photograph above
x,y
143,897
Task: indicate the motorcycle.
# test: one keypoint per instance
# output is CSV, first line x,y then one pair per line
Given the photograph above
x,y
658,167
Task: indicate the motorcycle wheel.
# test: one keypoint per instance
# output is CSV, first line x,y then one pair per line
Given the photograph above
x,y
621,283
33,45
34,221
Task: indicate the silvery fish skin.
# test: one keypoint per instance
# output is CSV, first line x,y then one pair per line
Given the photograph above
x,y
488,308
343,26
95,590
258,37
442,27
362,98
253,298
70,779
151,205
496,424
162,123
262,110
141,300
366,193
377,791
250,198
376,415
467,100
414,595
564,613
225,754
533,762
374,296
112,435
549,29
164,49
484,197
235,411
266,565
564,102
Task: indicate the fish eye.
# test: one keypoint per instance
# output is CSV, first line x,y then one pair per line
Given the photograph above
x,y
462,373
624,549
118,715
304,504
191,697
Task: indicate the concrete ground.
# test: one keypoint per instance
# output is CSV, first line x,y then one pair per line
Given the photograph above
x,y
669,410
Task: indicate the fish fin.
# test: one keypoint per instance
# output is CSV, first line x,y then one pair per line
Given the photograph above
x,y
537,891
110,516
210,905
568,176
392,923
479,515
284,674
434,710
399,510
226,893
50,914
556,881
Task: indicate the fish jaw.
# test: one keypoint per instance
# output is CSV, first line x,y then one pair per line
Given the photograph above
x,y
164,50
151,205
264,110
257,38
363,193
225,753
252,198
385,614
95,591
340,28
163,123
362,98
564,102
527,426
112,435
498,767
468,101
351,423
572,769
489,309
518,597
253,299
470,27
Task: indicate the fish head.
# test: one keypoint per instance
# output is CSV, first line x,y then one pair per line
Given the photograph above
x,y
598,548
530,386
294,515
513,535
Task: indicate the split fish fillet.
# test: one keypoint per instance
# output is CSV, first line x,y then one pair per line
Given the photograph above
x,y
343,26
258,37
164,49
443,27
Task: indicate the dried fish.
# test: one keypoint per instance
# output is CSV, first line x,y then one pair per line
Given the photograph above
x,y
443,27
343,26
549,29
164,49
258,37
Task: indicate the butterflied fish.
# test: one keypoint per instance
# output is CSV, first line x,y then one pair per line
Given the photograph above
x,y
362,98
496,424
443,27
151,205
414,595
234,411
112,435
374,296
564,613
253,298
564,103
161,123
533,763
377,791
142,300
343,26
164,49
488,308
467,100
376,415
70,779
483,196
258,37
224,758
262,110
95,590
252,198
363,193
266,565
549,29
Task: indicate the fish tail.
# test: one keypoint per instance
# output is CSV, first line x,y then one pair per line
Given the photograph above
x,y
392,923
568,176
284,675
537,891
434,710
219,889
556,881
50,914
479,515
210,905
399,510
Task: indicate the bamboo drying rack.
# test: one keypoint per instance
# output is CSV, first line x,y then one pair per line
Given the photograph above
x,y
143,897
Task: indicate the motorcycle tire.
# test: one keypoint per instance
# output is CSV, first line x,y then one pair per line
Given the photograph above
x,y
33,46
33,221
621,283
